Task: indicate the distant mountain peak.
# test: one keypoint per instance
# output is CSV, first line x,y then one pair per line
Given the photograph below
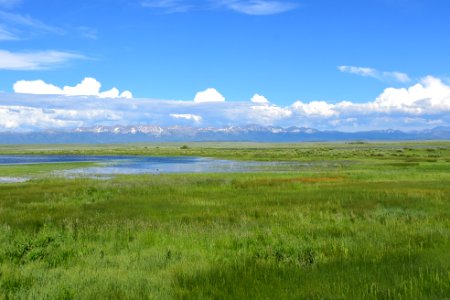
x,y
251,132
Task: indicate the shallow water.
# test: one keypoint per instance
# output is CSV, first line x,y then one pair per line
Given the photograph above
x,y
44,159
158,165
115,165
13,179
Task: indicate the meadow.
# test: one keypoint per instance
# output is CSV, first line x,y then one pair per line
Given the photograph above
x,y
361,221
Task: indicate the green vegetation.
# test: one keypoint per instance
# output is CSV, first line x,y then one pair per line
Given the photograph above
x,y
377,227
36,170
405,151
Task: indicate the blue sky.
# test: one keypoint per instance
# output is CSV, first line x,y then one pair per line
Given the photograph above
x,y
294,53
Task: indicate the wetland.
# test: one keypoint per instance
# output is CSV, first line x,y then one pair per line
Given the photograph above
x,y
351,221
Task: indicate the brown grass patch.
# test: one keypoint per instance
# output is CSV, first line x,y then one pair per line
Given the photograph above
x,y
277,181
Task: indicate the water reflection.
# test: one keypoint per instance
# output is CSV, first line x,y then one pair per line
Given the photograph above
x,y
13,179
156,165
114,165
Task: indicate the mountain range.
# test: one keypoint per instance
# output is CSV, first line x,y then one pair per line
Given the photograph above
x,y
250,133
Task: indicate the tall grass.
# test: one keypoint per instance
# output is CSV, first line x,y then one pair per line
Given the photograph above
x,y
372,229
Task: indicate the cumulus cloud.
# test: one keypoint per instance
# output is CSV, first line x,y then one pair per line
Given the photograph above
x,y
422,105
427,101
18,117
209,95
430,96
26,61
314,109
268,114
259,99
87,87
195,118
36,87
23,118
126,94
370,72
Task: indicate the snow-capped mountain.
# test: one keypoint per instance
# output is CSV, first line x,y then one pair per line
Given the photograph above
x,y
256,133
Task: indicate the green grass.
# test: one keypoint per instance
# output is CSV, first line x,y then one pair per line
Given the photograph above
x,y
376,228
409,152
40,169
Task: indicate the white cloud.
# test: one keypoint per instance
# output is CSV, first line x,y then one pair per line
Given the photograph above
x,y
15,26
361,71
259,99
428,101
126,94
25,23
6,35
314,109
370,72
422,105
19,117
249,7
25,118
25,61
260,7
209,95
112,93
397,76
87,87
268,114
195,118
431,95
36,87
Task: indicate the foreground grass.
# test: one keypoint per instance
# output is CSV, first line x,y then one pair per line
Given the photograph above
x,y
374,229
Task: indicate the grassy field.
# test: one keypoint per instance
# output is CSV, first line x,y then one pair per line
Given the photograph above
x,y
374,225
408,152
